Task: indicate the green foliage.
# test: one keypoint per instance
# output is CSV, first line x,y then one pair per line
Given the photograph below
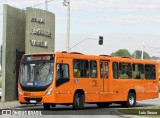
x,y
0,83
154,57
135,111
122,53
137,54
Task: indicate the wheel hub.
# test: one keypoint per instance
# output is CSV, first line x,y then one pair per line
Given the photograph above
x,y
131,100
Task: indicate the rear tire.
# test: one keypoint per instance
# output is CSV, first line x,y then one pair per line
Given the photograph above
x,y
78,101
131,100
46,106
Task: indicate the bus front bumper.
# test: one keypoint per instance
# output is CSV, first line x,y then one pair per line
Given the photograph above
x,y
37,100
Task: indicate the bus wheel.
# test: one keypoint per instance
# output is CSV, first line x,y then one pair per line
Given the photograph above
x,y
131,100
103,104
78,101
46,106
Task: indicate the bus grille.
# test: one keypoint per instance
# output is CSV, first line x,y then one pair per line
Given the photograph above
x,y
36,99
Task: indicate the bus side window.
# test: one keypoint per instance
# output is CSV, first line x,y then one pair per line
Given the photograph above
x,y
93,69
81,68
125,70
62,74
76,68
115,70
150,72
138,71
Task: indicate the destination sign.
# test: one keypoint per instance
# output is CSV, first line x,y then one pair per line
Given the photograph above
x,y
37,58
41,58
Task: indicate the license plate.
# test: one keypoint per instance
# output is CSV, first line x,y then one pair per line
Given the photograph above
x,y
32,101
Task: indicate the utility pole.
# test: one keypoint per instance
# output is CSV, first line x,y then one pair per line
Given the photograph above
x,y
67,3
46,5
142,50
32,4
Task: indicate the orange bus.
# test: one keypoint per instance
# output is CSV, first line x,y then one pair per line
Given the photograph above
x,y
76,79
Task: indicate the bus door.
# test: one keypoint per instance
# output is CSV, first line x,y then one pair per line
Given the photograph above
x,y
63,83
104,71
62,75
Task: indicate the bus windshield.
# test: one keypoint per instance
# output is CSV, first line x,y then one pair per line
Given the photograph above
x,y
36,74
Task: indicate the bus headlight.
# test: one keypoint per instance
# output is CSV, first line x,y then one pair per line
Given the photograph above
x,y
49,92
19,92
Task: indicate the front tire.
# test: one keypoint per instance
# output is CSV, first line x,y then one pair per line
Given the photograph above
x,y
46,106
78,101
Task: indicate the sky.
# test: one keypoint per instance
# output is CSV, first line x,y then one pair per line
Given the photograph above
x,y
124,24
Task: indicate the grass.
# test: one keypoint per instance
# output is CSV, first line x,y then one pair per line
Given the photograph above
x,y
141,111
0,80
0,84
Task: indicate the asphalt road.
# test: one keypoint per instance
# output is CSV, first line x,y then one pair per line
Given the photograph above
x,y
61,111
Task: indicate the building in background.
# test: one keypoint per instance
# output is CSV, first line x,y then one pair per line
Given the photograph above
x,y
24,31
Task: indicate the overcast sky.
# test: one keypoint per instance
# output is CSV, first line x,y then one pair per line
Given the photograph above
x,y
122,23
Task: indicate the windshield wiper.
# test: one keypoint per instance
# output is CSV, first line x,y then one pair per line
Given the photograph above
x,y
40,67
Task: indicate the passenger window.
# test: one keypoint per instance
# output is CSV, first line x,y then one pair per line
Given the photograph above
x,y
125,70
93,69
150,73
138,71
80,68
115,70
62,74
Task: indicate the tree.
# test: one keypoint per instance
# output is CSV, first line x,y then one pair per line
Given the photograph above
x,y
137,54
122,53
154,58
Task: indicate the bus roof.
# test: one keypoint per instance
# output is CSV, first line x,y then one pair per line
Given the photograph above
x,y
77,55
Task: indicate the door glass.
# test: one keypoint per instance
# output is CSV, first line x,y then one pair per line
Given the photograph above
x,y
101,69
62,74
104,69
